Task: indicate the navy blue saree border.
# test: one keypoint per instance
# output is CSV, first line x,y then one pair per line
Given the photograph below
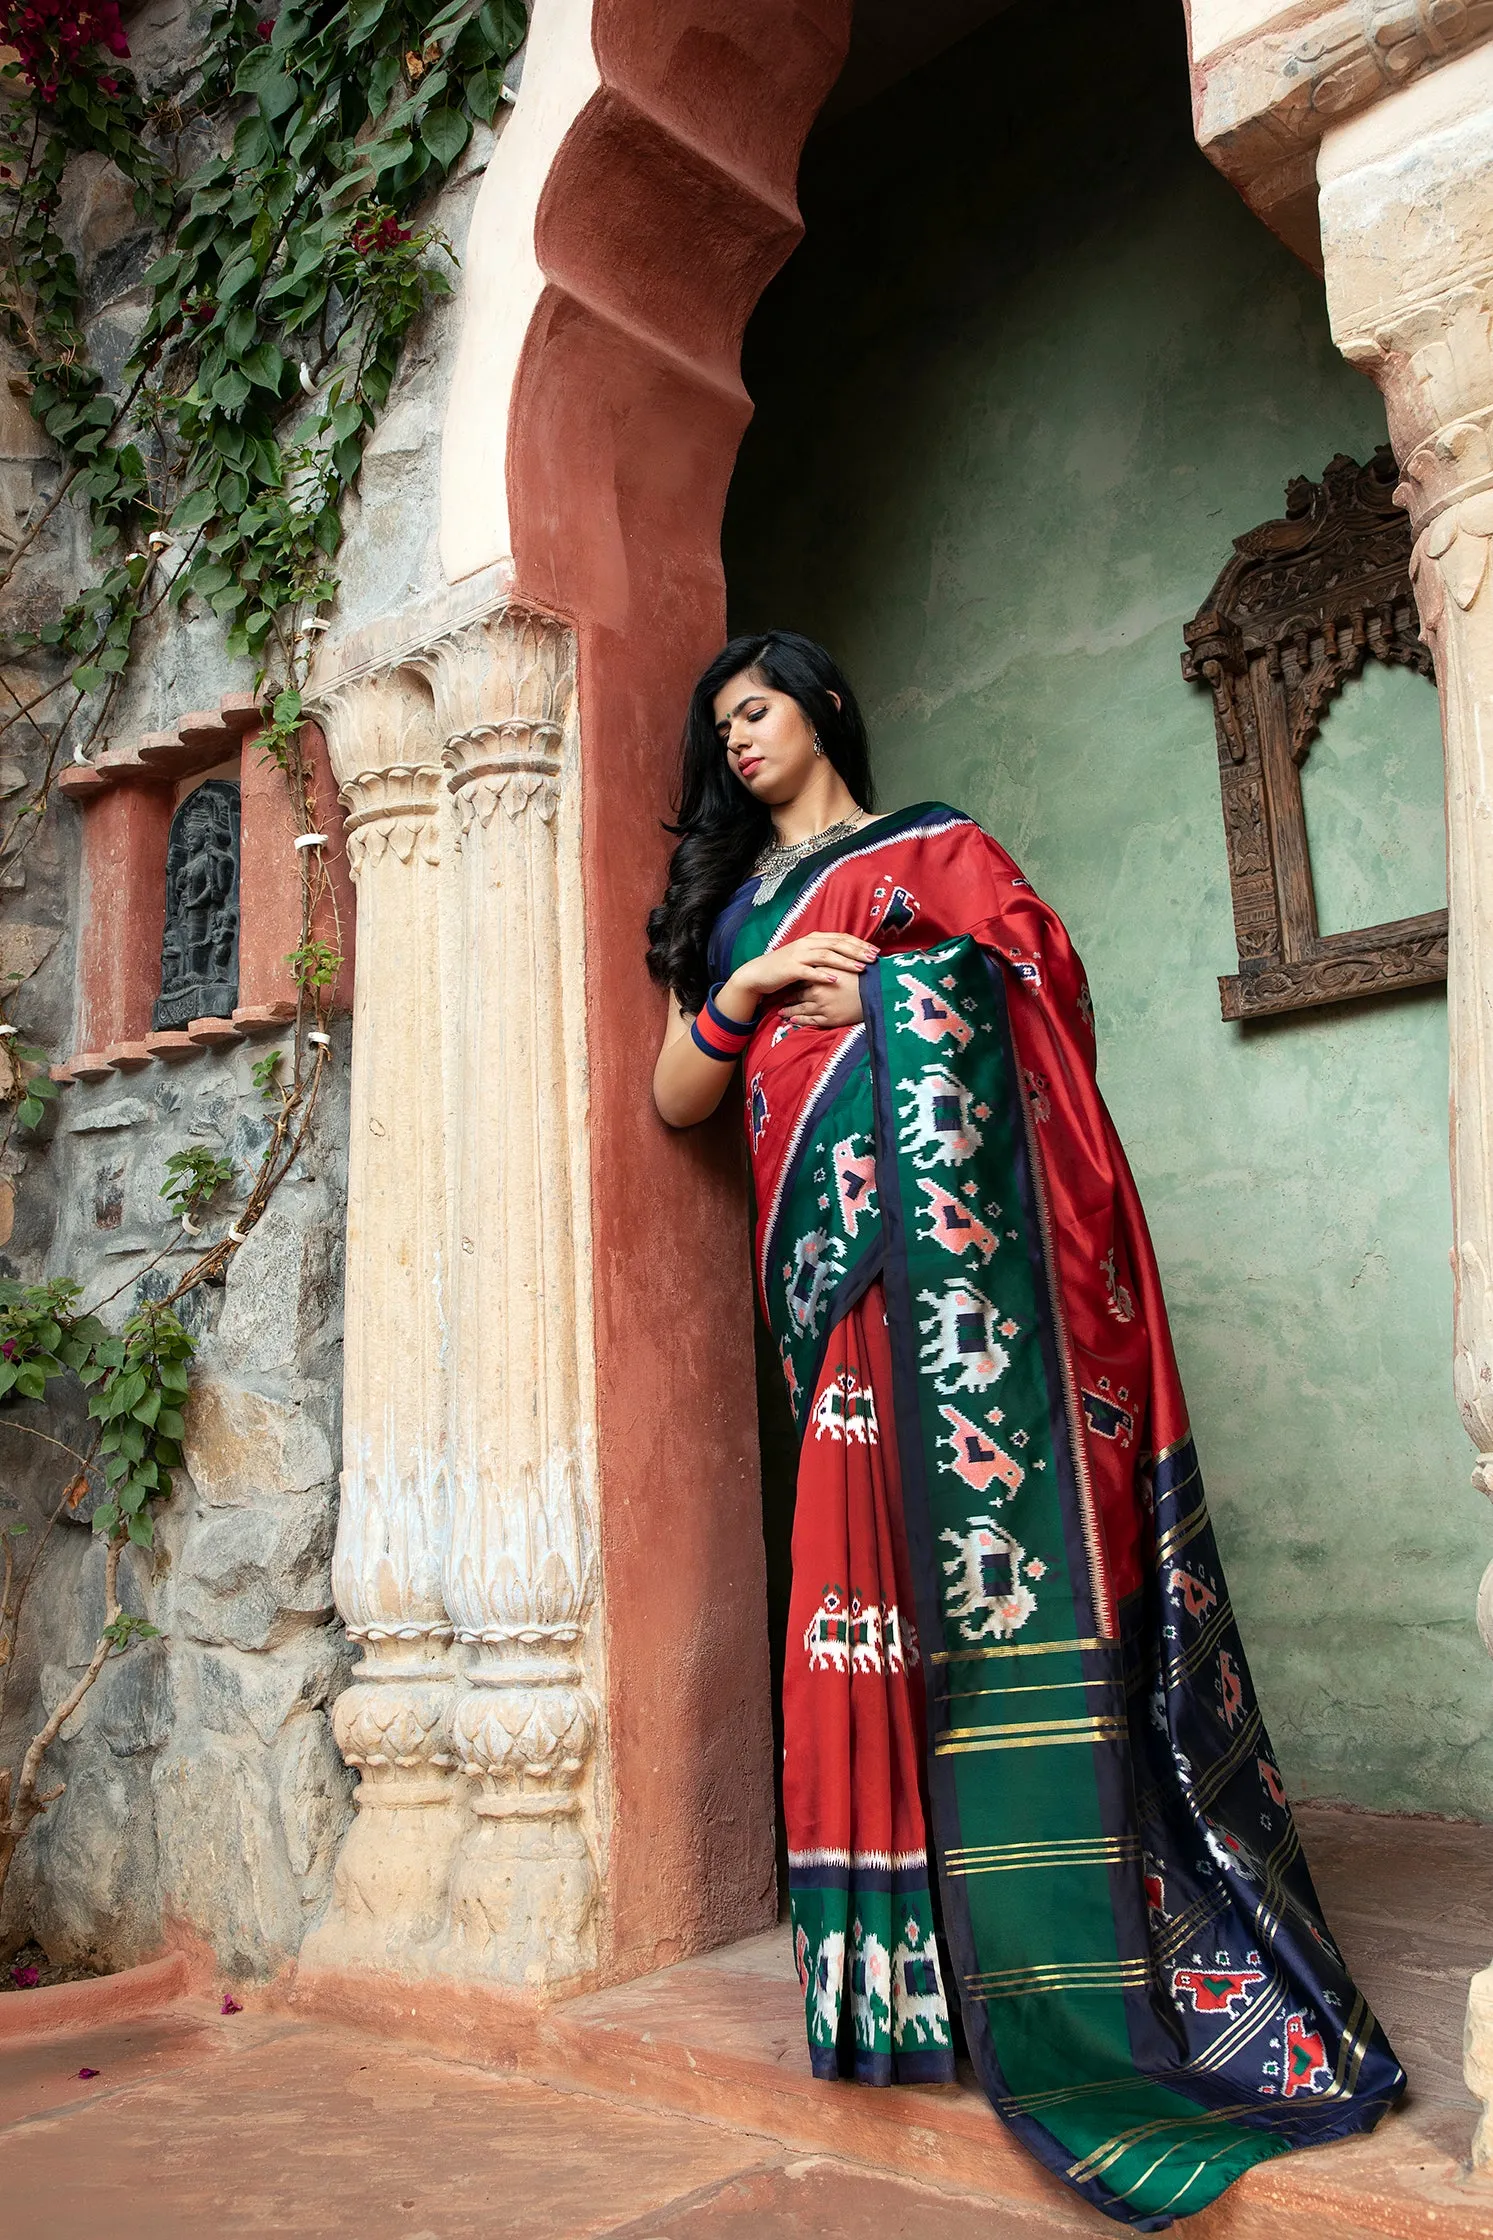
x,y
1114,1766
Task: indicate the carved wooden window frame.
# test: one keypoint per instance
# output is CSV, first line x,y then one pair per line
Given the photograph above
x,y
1303,603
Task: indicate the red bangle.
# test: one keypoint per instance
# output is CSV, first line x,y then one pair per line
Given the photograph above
x,y
718,1035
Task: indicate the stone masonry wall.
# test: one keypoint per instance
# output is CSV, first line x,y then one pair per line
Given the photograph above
x,y
203,1784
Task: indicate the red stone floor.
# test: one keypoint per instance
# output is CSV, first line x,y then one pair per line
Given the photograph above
x,y
681,2106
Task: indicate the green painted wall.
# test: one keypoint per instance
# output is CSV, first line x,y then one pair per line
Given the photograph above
x,y
1033,368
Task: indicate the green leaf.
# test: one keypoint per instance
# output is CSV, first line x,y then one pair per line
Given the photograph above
x,y
504,24
381,82
239,276
230,391
484,91
278,94
140,1531
196,507
148,1409
259,66
264,365
252,143
88,677
364,18
105,1517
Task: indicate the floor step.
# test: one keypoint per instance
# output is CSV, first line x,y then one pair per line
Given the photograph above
x,y
722,2038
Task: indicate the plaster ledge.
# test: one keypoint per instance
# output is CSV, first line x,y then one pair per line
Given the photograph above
x,y
59,2007
198,742
174,1046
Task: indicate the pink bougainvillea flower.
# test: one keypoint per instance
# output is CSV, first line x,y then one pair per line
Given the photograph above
x,y
265,26
88,2072
25,1978
230,2004
51,39
9,1349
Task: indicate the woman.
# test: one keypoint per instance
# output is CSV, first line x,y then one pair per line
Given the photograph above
x,y
1010,1645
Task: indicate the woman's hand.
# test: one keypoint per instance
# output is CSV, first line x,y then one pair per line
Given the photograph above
x,y
823,969
839,1006
819,961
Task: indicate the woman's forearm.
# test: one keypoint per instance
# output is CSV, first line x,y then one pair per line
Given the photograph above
x,y
688,1083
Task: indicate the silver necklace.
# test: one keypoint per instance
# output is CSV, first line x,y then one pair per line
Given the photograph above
x,y
778,858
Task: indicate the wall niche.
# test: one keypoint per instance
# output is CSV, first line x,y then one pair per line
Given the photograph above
x,y
1303,605
199,949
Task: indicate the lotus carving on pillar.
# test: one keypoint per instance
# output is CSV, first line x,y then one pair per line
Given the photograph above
x,y
526,1734
381,1727
526,1572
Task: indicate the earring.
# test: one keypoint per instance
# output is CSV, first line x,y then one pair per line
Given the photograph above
x,y
818,744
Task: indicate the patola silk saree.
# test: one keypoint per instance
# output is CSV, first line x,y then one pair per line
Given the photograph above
x,y
1026,1779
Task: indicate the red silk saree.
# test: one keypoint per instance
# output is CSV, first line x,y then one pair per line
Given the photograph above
x,y
1026,1778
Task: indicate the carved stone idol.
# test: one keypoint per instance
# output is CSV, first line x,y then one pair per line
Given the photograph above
x,y
199,954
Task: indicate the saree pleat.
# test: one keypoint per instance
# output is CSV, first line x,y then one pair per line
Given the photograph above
x,y
853,1722
1016,1709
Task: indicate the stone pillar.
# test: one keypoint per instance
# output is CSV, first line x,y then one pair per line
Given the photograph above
x,y
1406,194
394,1722
520,1580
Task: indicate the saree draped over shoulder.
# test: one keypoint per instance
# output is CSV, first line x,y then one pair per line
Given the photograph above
x,y
1026,1777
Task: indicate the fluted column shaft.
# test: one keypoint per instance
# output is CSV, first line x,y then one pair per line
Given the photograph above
x,y
520,1577
1406,196
394,1722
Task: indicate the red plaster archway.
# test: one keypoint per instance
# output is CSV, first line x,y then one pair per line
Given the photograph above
x,y
669,207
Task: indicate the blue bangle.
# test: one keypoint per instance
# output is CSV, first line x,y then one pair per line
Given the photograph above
x,y
719,1035
723,1019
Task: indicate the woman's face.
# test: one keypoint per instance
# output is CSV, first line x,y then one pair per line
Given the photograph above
x,y
768,740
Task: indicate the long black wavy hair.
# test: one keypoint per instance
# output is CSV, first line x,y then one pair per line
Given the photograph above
x,y
721,828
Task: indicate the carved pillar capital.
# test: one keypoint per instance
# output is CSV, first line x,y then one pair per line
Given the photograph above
x,y
503,687
381,733
1433,359
1406,200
